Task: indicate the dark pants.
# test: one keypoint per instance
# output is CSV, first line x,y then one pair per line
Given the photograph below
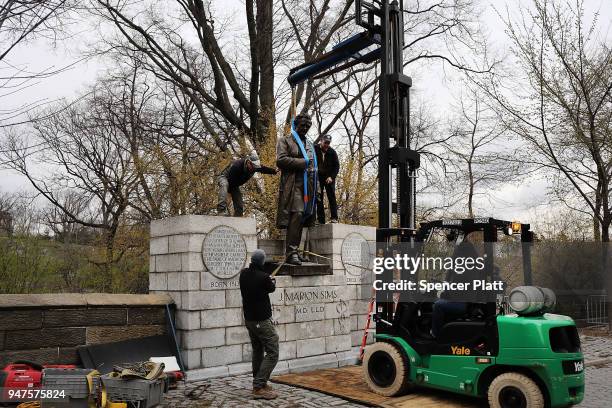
x,y
224,189
443,311
294,232
264,340
331,198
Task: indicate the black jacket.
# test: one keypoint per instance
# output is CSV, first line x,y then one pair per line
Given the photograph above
x,y
237,173
328,162
255,284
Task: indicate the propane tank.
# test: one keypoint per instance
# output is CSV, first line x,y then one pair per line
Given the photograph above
x,y
550,300
529,300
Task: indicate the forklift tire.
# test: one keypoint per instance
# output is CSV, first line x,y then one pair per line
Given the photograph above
x,y
385,369
511,390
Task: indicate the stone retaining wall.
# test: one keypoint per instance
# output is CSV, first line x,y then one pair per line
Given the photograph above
x,y
48,328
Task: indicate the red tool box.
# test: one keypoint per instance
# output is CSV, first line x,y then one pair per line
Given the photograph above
x,y
21,375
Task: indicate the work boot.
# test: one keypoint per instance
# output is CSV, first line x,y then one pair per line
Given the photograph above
x,y
263,393
293,259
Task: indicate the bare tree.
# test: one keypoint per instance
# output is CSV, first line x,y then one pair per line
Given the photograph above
x,y
477,159
22,21
215,84
82,153
563,109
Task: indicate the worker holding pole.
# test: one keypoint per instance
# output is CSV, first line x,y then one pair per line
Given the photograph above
x,y
255,287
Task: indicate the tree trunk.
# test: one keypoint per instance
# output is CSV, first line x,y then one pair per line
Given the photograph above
x,y
265,32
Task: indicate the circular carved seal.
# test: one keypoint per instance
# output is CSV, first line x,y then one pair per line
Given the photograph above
x,y
224,252
355,252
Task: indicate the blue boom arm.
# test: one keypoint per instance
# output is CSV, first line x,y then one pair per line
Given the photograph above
x,y
349,49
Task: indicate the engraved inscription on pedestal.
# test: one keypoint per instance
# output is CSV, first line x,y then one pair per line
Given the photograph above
x,y
224,252
356,255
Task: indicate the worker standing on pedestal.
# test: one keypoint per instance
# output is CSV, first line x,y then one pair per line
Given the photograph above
x,y
329,166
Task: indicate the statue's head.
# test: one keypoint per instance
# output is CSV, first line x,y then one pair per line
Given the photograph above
x,y
302,124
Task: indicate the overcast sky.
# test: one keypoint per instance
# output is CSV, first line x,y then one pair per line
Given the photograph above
x,y
434,83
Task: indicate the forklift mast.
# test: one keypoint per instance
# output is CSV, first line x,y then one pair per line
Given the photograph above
x,y
394,138
397,162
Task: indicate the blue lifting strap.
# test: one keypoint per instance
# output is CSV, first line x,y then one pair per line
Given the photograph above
x,y
309,202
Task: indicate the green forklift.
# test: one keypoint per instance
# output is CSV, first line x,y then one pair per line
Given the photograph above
x,y
529,358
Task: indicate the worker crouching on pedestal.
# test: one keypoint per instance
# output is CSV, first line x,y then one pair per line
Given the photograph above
x,y
295,157
255,286
237,173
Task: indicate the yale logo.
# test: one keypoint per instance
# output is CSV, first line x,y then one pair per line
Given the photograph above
x,y
578,366
460,351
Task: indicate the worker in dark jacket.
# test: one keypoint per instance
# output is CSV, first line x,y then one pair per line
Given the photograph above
x,y
329,166
255,286
233,176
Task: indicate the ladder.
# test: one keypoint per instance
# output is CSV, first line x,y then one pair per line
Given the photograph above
x,y
367,329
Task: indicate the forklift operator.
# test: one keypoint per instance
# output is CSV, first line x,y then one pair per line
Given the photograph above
x,y
451,304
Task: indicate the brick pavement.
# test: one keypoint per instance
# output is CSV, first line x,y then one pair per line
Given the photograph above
x,y
595,348
598,392
234,392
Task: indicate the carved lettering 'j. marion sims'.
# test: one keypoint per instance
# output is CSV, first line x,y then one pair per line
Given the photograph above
x,y
224,252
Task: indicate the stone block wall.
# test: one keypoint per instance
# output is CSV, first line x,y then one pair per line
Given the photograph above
x,y
319,319
47,329
338,241
209,308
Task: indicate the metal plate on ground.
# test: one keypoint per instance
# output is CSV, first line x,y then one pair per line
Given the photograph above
x,y
348,383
